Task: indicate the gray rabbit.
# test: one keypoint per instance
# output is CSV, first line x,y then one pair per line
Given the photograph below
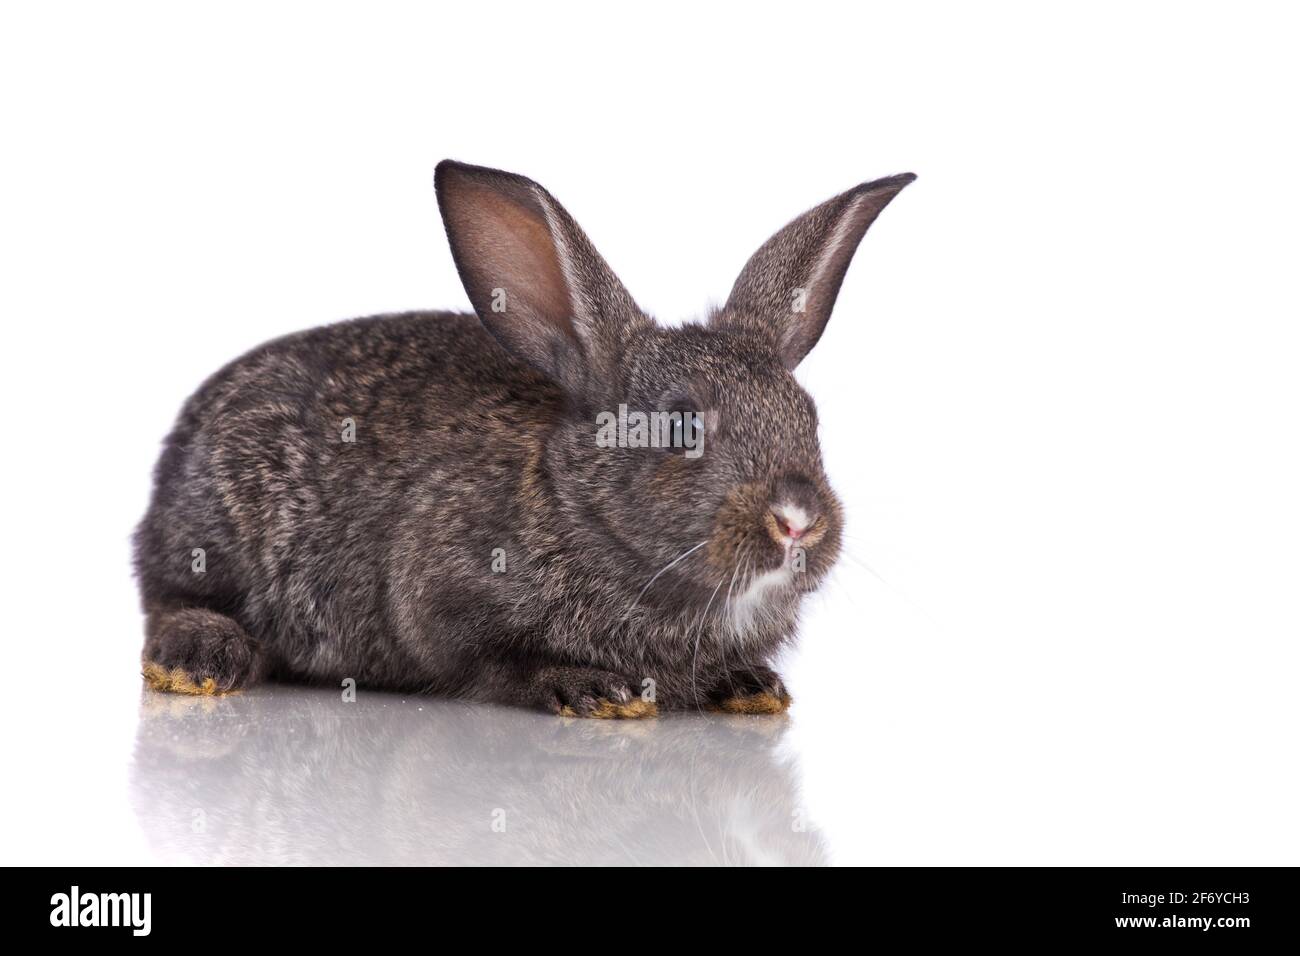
x,y
554,502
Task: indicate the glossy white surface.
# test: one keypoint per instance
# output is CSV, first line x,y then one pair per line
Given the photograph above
x,y
291,775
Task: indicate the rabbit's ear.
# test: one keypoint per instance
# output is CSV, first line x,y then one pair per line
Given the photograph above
x,y
537,283
787,289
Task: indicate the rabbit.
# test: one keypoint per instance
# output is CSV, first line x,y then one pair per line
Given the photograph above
x,y
422,501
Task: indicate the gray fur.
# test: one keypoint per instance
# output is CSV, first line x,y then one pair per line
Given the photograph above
x,y
373,559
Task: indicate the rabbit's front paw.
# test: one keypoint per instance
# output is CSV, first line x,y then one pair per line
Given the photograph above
x,y
587,692
758,690
197,651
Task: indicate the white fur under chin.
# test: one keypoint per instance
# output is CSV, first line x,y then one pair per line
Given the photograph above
x,y
746,606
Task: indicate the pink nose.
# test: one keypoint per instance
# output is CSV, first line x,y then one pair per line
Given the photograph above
x,y
792,521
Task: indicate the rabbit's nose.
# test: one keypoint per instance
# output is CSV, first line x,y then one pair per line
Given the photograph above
x,y
793,520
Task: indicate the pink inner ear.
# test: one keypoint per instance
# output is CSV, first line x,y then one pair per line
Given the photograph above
x,y
509,246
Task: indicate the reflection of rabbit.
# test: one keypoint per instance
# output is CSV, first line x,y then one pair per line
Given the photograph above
x,y
425,502
297,776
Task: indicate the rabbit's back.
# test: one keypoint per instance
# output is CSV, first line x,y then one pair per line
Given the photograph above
x,y
296,476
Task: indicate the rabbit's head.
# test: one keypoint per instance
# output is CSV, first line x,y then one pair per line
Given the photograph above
x,y
690,450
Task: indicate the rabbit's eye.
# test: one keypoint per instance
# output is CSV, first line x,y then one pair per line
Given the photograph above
x,y
687,432
687,420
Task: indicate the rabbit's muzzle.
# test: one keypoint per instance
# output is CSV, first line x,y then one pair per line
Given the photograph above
x,y
793,522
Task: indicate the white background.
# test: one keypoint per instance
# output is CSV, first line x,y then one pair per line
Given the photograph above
x,y
1059,393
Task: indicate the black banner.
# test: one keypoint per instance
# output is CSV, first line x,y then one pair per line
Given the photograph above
x,y
1229,906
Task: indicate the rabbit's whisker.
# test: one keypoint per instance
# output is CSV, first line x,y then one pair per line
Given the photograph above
x,y
727,611
699,633
670,564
